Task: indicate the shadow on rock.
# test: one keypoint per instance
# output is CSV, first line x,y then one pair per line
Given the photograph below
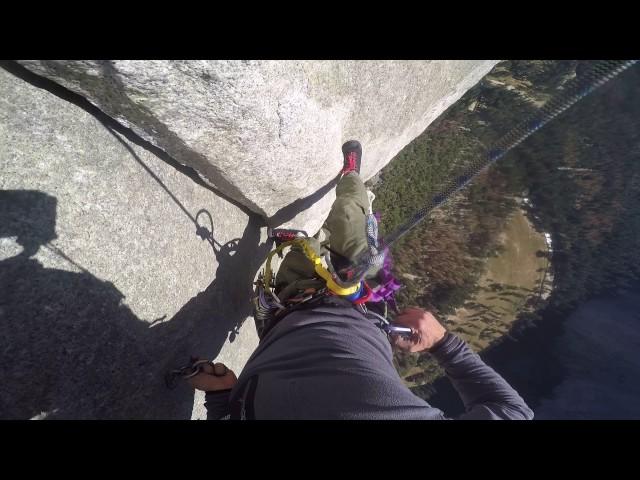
x,y
202,326
72,349
289,212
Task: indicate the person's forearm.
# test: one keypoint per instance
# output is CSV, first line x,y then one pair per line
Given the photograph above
x,y
484,392
217,404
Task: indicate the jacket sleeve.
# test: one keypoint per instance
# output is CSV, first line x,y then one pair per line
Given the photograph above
x,y
485,394
217,404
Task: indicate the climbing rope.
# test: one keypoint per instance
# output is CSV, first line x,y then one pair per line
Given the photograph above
x,y
575,91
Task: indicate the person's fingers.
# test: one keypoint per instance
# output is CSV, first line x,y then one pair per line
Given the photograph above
x,y
213,377
231,376
399,342
219,369
206,382
207,368
403,342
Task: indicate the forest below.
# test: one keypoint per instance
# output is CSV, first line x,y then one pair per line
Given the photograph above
x,y
580,174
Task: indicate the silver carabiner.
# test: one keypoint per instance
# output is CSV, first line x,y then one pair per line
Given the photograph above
x,y
396,330
391,329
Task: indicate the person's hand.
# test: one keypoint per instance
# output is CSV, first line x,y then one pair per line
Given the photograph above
x,y
427,331
209,382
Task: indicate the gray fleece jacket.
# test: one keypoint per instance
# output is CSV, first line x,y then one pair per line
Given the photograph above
x,y
332,362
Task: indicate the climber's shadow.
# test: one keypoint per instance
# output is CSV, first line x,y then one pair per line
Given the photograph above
x,y
205,230
70,346
100,360
203,325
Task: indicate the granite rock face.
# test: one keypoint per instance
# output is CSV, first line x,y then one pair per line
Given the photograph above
x,y
268,133
104,283
115,266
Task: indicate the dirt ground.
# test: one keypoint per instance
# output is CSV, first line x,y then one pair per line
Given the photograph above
x,y
508,282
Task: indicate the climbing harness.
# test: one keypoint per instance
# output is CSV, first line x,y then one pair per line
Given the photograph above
x,y
269,308
193,368
334,283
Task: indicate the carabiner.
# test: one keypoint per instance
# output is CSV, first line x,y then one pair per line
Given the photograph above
x,y
190,371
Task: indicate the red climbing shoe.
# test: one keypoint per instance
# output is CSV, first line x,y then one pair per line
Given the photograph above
x,y
352,151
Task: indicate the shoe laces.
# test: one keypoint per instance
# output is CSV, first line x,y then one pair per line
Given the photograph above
x,y
351,162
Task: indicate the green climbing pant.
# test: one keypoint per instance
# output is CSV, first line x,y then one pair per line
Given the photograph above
x,y
344,233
